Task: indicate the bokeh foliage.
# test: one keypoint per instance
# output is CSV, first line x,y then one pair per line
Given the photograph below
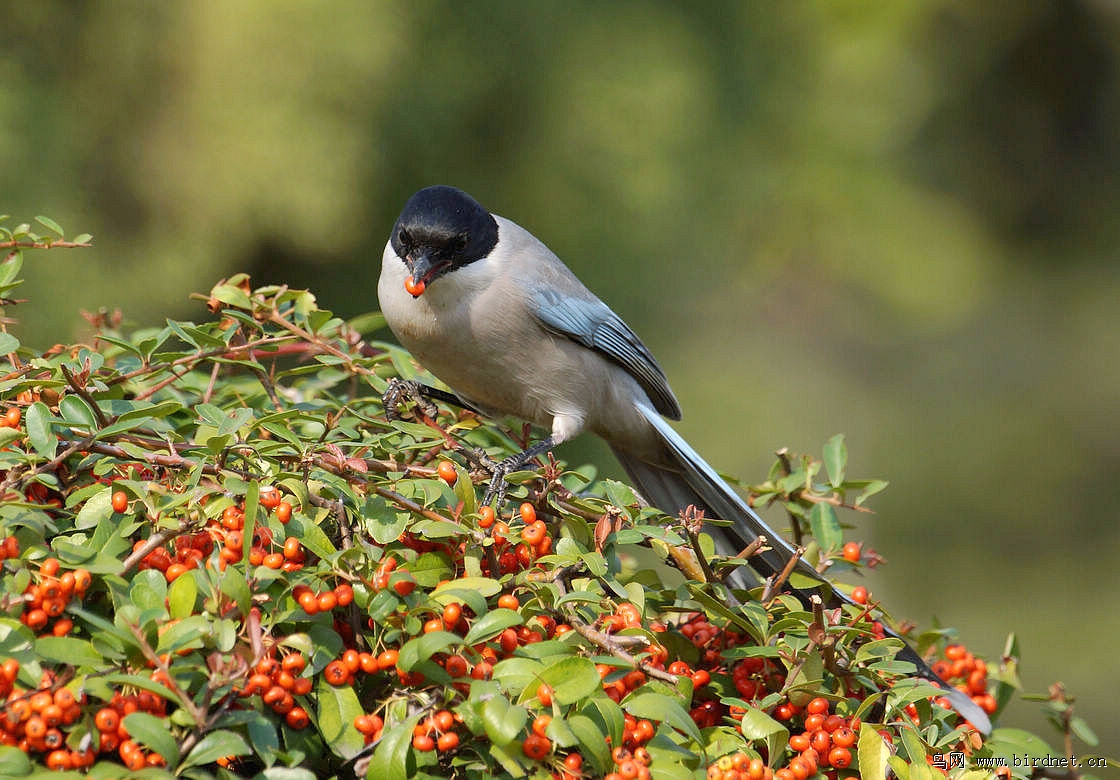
x,y
899,217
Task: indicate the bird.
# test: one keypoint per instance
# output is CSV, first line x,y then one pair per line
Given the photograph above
x,y
489,310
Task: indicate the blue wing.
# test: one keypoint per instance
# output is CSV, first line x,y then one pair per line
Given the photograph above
x,y
591,323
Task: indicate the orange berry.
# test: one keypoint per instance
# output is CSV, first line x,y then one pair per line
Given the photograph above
x,y
536,747
447,741
423,742
544,694
486,517
283,511
455,666
293,550
853,551
119,501
859,594
799,767
799,742
540,724
294,663
528,513
817,706
336,674
451,614
447,472
49,567
534,533
12,416
327,601
387,659
840,758
297,718
268,497
176,570
309,602
414,288
508,601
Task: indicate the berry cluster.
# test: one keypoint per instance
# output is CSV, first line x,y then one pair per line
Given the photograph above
x,y
278,683
968,674
47,596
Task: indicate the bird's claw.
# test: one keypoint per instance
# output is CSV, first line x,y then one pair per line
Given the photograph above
x,y
402,390
495,494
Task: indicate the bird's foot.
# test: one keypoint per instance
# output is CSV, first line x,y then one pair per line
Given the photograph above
x,y
499,472
404,390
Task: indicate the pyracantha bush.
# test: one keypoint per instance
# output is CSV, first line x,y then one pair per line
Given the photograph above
x,y
221,559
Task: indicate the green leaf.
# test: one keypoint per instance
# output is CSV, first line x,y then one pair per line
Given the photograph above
x,y
187,633
97,508
390,760
877,650
233,296
50,224
181,595
337,709
836,459
757,725
826,527
873,487
76,412
8,343
14,762
491,624
657,706
384,524
591,742
215,745
39,431
872,752
416,651
571,679
503,721
153,732
263,736
82,238
483,585
68,650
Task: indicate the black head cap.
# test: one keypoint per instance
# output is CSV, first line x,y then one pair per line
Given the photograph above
x,y
440,229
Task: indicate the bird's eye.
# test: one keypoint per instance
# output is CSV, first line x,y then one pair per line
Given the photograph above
x,y
403,237
459,243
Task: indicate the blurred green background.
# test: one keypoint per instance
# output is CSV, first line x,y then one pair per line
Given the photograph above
x,y
897,221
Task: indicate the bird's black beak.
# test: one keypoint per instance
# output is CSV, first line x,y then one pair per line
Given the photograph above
x,y
422,265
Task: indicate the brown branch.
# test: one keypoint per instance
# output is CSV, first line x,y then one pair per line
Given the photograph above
x,y
44,244
774,584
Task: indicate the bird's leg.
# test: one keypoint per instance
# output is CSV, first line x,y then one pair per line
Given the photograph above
x,y
500,470
401,390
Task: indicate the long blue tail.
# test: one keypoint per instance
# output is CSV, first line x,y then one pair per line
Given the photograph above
x,y
689,480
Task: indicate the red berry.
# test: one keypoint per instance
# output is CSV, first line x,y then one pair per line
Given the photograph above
x,y
853,551
120,501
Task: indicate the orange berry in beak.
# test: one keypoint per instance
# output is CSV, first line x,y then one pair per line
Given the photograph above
x,y
414,288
